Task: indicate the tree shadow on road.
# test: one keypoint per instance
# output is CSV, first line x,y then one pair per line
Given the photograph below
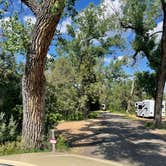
x,y
117,141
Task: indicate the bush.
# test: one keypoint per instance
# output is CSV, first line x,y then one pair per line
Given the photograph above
x,y
10,148
17,113
77,115
149,125
61,144
51,120
15,147
93,115
152,126
7,131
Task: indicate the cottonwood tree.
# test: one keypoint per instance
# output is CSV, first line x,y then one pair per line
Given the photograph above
x,y
89,40
141,17
48,14
161,72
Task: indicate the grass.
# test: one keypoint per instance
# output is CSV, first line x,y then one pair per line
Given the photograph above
x,y
62,144
94,114
151,125
130,115
15,147
10,148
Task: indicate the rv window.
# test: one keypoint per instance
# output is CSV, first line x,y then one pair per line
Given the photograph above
x,y
140,107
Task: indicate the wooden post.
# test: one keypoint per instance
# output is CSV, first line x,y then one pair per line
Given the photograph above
x,y
52,140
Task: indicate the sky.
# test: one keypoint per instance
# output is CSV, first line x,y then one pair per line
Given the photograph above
x,y
141,63
26,15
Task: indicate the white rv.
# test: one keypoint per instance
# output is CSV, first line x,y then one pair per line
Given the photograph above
x,y
145,108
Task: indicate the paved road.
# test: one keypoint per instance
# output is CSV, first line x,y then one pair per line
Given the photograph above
x,y
117,138
110,137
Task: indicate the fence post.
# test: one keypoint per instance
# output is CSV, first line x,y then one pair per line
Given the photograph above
x,y
53,139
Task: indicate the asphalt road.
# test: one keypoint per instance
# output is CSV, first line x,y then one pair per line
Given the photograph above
x,y
116,138
111,137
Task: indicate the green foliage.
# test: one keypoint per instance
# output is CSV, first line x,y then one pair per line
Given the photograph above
x,y
61,144
7,130
15,147
17,36
10,148
88,43
57,6
61,96
151,125
147,83
93,114
119,96
141,16
3,7
10,95
52,115
114,71
116,86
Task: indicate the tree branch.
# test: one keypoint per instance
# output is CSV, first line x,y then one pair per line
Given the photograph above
x,y
32,5
155,33
134,57
127,26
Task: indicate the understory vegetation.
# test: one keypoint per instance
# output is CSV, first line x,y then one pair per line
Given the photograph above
x,y
86,76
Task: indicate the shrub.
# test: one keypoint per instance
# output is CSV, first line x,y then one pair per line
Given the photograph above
x,y
151,125
61,144
93,115
77,115
7,130
10,148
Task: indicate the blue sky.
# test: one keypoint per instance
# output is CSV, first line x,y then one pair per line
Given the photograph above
x,y
81,4
141,62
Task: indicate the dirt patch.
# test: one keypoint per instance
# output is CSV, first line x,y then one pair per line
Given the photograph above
x,y
158,131
83,127
76,127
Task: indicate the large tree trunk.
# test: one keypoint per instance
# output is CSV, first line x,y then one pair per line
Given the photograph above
x,y
33,91
161,74
33,82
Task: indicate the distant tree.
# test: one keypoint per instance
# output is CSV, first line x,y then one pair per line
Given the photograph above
x,y
62,97
88,41
117,85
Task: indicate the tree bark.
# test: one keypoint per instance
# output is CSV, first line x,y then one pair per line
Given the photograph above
x,y
33,81
161,73
129,103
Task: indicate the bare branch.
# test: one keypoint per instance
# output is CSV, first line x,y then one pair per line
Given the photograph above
x,y
155,33
134,57
32,5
